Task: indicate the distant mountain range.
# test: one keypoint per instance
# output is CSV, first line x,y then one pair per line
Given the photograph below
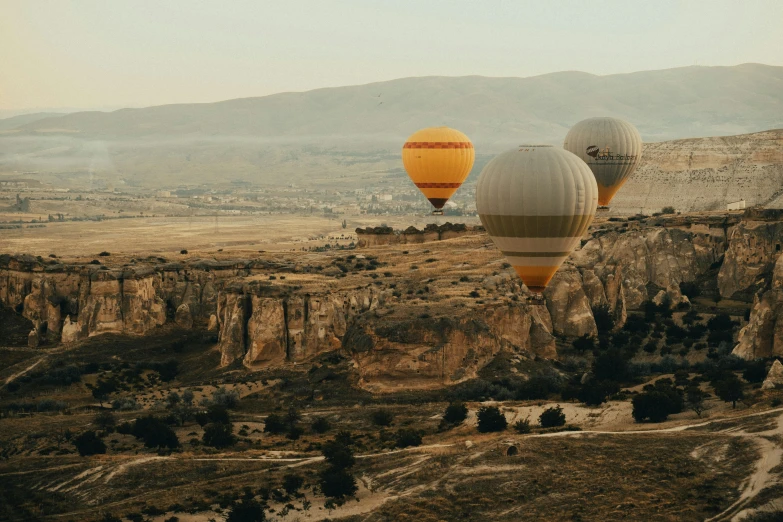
x,y
349,130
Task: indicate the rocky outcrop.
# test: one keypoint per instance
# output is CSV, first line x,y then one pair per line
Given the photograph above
x,y
263,326
754,246
133,299
701,174
774,377
763,335
620,263
404,354
183,317
384,323
569,306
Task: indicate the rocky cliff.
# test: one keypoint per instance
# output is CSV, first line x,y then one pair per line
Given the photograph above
x,y
706,173
70,302
412,318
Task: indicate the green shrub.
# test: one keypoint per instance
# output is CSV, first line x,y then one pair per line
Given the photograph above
x,y
407,438
292,483
552,417
382,418
274,424
88,443
455,413
522,426
490,419
320,425
248,510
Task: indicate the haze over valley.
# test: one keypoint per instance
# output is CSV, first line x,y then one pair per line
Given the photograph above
x,y
363,261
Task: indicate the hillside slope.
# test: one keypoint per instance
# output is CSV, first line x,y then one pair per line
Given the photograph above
x,y
344,136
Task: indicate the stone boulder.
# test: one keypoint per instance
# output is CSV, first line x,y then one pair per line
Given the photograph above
x,y
33,339
183,317
70,332
213,323
568,305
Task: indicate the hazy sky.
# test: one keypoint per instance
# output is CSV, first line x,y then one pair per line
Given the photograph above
x,y
113,53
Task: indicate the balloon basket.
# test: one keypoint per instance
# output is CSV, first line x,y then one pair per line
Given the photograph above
x,y
437,212
536,299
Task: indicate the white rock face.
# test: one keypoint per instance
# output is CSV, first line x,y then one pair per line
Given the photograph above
x,y
213,323
716,171
774,376
70,331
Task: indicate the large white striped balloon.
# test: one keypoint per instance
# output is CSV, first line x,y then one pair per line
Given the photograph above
x,y
536,202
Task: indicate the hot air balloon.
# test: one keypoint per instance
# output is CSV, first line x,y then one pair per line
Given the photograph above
x,y
536,202
438,159
611,148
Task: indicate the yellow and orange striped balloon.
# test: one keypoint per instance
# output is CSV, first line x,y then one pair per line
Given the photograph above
x,y
438,160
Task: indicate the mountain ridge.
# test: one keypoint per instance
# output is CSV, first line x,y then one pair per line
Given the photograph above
x,y
678,103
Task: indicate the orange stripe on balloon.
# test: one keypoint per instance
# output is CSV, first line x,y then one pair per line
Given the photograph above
x,y
437,145
439,185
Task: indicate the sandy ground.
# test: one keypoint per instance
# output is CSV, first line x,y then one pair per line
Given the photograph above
x,y
145,236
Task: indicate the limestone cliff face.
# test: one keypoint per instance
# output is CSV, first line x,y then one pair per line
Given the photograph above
x,y
616,266
763,335
263,327
69,302
706,174
395,354
753,249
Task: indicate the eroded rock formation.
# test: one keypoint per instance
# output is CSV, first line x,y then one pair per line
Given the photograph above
x,y
413,336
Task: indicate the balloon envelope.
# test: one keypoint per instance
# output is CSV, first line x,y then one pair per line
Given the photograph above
x,y
611,147
536,202
438,159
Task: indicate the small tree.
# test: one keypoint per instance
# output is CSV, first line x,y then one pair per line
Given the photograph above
x,y
336,481
407,438
455,413
552,417
490,419
155,433
756,371
694,399
219,435
585,343
610,366
522,426
292,483
105,420
667,210
382,418
187,397
320,425
730,390
248,510
594,392
88,443
652,405
274,424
